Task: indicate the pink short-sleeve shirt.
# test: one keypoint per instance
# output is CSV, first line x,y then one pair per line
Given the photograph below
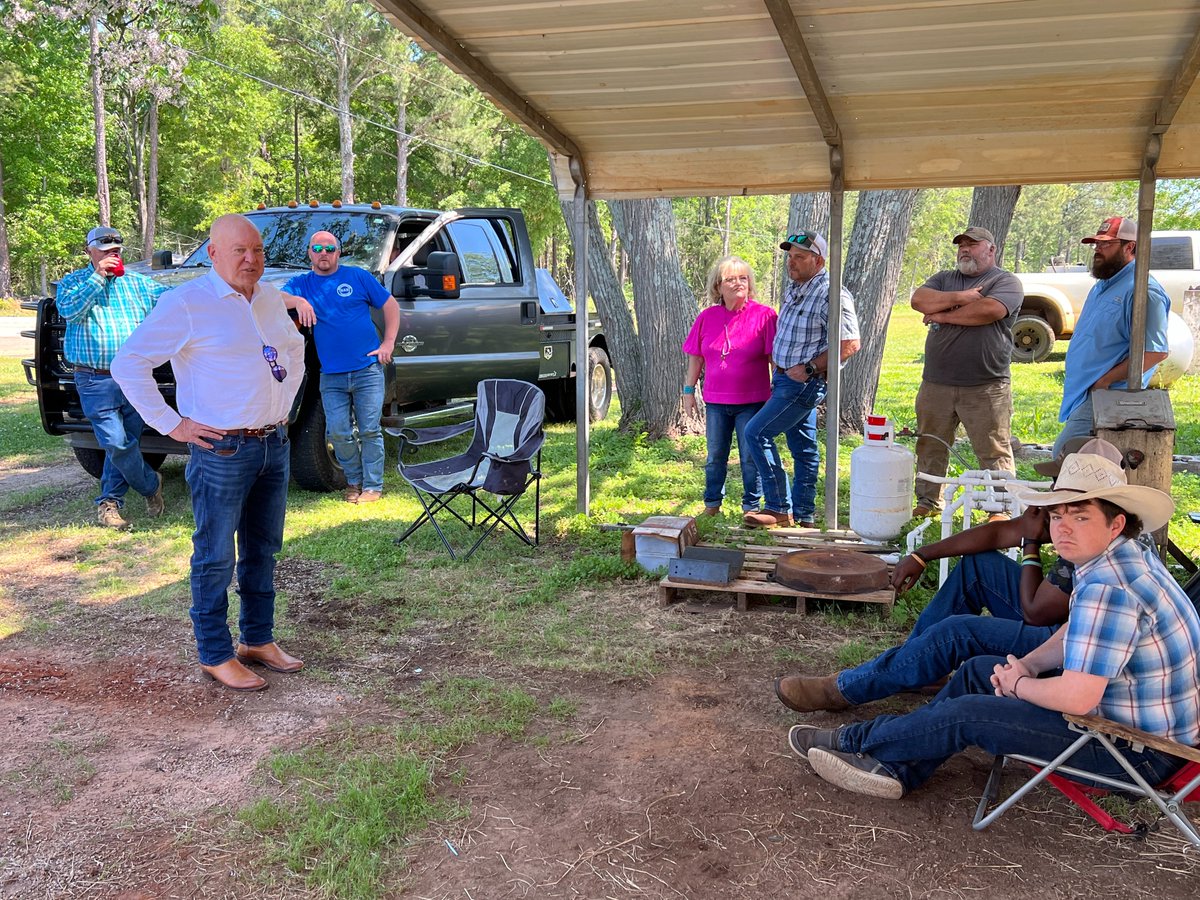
x,y
736,349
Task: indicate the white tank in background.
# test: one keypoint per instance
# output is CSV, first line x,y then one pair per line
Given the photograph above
x,y
881,483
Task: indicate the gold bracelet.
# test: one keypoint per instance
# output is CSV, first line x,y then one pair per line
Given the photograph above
x,y
918,558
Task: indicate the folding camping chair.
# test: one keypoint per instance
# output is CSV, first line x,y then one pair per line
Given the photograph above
x,y
503,460
1181,787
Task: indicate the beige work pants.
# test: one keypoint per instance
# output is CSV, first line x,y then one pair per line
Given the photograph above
x,y
985,411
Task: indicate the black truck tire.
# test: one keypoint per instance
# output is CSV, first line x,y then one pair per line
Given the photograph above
x,y
1033,339
560,395
91,460
314,467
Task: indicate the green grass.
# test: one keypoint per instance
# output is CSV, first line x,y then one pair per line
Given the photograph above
x,y
344,809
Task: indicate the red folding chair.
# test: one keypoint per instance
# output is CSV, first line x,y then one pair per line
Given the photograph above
x,y
1182,787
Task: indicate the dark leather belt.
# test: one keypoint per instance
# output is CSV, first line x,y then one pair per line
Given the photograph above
x,y
93,371
265,431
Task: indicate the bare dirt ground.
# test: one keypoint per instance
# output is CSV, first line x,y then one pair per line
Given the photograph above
x,y
120,772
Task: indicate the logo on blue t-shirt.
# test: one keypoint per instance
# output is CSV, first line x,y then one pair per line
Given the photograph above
x,y
344,290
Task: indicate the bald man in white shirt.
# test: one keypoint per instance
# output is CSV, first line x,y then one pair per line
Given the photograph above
x,y
238,361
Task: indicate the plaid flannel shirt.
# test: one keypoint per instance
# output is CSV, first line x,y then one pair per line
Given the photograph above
x,y
102,312
803,328
1131,623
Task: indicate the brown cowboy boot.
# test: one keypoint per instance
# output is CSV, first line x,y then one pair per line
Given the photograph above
x,y
805,693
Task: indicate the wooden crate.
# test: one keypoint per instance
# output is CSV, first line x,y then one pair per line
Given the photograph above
x,y
752,584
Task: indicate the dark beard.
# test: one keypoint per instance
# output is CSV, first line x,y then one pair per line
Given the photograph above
x,y
1103,269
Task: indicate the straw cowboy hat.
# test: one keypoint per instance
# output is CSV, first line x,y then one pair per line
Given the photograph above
x,y
1094,474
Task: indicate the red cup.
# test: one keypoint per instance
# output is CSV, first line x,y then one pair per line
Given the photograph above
x,y
119,269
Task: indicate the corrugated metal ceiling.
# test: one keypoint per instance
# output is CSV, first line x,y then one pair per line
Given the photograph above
x,y
686,97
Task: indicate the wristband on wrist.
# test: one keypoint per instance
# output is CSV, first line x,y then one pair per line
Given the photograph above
x,y
1027,561
1015,683
919,559
1027,543
689,389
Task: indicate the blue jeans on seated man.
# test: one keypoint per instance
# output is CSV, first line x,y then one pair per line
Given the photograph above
x,y
722,420
952,630
118,429
792,412
358,394
967,713
239,488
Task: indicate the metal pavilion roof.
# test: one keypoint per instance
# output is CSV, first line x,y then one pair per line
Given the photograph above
x,y
688,97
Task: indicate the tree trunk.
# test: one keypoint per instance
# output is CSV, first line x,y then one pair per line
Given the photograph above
x,y
103,197
345,123
665,309
871,273
623,344
993,208
402,139
150,220
5,259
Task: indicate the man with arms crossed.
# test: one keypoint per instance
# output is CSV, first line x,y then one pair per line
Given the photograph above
x,y
970,311
352,359
238,362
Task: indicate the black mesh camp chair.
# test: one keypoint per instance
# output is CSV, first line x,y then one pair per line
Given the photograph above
x,y
503,461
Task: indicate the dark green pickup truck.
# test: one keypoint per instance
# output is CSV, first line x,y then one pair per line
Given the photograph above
x,y
507,319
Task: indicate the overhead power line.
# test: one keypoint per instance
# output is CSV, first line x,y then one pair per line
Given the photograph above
x,y
361,118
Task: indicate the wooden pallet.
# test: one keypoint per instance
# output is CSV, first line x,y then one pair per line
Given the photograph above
x,y
752,588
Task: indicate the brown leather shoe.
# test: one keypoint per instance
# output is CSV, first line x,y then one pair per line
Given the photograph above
x,y
270,655
108,514
712,510
806,694
352,492
921,511
235,676
369,496
154,503
767,519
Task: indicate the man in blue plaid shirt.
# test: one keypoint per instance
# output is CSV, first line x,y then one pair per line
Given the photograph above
x,y
1128,652
801,359
103,304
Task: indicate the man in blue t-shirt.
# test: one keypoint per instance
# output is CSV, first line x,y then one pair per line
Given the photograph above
x,y
1098,354
352,360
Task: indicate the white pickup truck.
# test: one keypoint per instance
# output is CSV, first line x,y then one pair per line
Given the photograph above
x,y
1053,300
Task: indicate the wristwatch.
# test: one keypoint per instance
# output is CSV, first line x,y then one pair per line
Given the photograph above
x,y
810,370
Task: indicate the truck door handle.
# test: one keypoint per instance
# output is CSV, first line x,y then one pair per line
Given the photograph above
x,y
528,312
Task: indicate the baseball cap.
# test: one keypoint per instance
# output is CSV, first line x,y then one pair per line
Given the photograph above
x,y
1115,228
1094,446
975,233
806,240
104,238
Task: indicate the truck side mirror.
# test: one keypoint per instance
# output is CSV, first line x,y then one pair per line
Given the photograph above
x,y
440,278
162,259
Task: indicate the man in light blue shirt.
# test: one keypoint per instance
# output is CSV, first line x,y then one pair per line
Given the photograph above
x,y
352,360
1098,353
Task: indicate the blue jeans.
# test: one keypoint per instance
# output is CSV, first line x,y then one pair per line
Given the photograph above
x,y
967,713
360,393
792,412
239,488
721,421
118,429
1078,424
951,630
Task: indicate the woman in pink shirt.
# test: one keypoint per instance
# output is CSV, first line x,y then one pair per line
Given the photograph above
x,y
730,343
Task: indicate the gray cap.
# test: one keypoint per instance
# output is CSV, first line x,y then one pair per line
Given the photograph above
x,y
104,238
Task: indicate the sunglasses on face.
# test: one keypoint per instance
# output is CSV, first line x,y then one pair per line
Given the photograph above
x,y
324,248
271,355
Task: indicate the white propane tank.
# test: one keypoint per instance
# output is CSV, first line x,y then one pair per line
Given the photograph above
x,y
881,483
1179,358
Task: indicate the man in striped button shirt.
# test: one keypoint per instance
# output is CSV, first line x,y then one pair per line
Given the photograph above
x,y
102,304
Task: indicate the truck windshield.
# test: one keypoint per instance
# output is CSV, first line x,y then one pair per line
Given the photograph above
x,y
285,237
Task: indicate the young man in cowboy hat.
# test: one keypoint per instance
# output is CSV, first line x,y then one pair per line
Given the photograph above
x,y
1129,651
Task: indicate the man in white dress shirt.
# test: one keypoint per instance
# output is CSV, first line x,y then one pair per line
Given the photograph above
x,y
238,361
